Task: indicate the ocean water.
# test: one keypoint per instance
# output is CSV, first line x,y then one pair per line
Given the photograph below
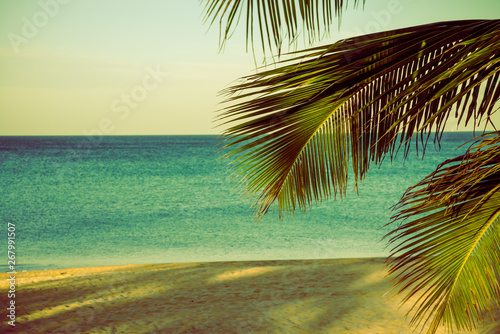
x,y
78,201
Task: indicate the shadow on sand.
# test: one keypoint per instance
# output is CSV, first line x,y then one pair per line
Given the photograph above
x,y
305,296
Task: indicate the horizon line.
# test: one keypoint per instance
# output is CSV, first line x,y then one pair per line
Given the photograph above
x,y
199,134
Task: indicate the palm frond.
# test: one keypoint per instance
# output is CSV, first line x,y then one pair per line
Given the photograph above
x,y
451,254
276,21
294,128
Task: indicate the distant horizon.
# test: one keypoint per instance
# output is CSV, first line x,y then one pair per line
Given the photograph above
x,y
199,134
140,135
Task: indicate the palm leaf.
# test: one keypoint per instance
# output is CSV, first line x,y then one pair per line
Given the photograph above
x,y
292,130
451,255
275,20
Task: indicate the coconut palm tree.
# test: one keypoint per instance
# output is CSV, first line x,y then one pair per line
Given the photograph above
x,y
293,131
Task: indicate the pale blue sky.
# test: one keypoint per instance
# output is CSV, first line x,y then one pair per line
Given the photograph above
x,y
90,65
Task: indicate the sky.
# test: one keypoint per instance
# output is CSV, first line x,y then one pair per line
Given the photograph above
x,y
124,67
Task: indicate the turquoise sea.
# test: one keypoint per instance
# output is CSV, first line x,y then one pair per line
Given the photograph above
x,y
79,201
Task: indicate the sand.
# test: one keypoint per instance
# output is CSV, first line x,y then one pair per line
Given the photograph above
x,y
306,296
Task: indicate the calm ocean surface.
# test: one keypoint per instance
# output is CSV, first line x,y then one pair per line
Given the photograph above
x,y
161,199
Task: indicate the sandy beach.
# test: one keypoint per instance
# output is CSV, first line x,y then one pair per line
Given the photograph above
x,y
304,296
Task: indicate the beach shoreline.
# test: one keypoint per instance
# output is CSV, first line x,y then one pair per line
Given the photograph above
x,y
284,296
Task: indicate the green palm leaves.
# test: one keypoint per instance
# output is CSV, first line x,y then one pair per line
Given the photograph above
x,y
451,255
298,125
293,131
276,21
